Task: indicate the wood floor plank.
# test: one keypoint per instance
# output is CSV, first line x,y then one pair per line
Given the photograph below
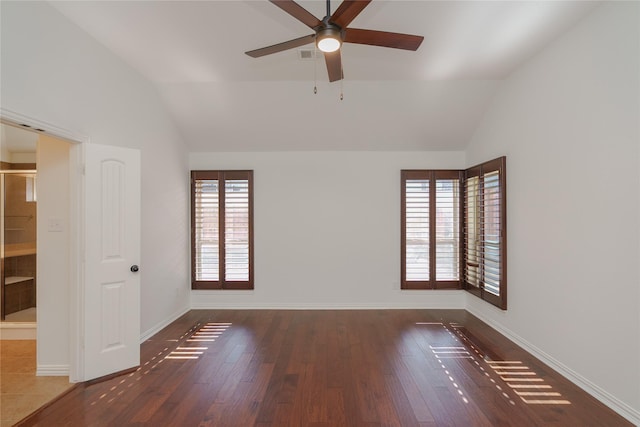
x,y
282,387
277,368
418,405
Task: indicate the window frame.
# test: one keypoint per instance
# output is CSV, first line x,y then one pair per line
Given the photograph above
x,y
498,165
480,171
433,175
222,176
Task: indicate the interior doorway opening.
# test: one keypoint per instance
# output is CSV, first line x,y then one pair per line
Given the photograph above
x,y
35,240
18,228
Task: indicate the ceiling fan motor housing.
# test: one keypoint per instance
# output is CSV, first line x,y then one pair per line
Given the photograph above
x,y
329,35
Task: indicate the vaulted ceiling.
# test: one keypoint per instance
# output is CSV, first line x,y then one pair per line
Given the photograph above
x,y
224,100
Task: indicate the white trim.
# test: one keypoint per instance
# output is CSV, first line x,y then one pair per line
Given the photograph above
x,y
52,371
18,331
47,128
158,327
594,390
76,266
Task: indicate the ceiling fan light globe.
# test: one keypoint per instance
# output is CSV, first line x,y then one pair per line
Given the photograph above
x,y
328,39
329,44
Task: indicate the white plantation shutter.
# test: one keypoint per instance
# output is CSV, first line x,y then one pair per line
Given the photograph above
x,y
472,231
430,229
222,229
236,230
447,234
491,223
417,229
207,231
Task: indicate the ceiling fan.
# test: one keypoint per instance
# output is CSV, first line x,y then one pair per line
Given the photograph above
x,y
332,31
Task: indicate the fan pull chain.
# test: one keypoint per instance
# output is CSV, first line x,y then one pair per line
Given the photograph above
x,y
342,88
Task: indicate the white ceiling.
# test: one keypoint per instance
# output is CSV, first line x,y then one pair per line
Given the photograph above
x,y
224,100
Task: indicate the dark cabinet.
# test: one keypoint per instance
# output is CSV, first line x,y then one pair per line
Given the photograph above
x,y
19,283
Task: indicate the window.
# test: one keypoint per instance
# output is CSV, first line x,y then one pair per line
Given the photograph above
x,y
222,229
485,232
454,230
431,210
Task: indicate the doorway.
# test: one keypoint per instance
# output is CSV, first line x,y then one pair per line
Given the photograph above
x,y
71,173
35,238
18,228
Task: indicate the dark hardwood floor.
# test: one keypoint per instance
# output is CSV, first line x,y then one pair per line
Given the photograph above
x,y
330,368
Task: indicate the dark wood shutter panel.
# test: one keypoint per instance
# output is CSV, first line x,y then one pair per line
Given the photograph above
x,y
222,229
430,229
485,235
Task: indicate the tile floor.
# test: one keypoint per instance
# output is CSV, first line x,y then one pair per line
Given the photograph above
x,y
21,392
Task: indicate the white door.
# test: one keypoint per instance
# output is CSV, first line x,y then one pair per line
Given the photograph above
x,y
112,253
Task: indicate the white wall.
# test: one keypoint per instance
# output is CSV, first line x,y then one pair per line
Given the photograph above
x,y
5,154
52,272
327,229
568,122
54,72
22,157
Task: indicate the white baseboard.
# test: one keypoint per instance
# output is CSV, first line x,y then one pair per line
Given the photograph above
x,y
17,331
52,371
602,395
157,328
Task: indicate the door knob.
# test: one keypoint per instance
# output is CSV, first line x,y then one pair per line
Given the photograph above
x,y
134,268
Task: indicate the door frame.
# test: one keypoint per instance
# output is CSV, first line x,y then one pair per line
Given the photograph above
x,y
76,230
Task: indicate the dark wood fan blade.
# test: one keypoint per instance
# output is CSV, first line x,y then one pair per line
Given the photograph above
x,y
298,12
347,11
383,38
282,46
334,65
